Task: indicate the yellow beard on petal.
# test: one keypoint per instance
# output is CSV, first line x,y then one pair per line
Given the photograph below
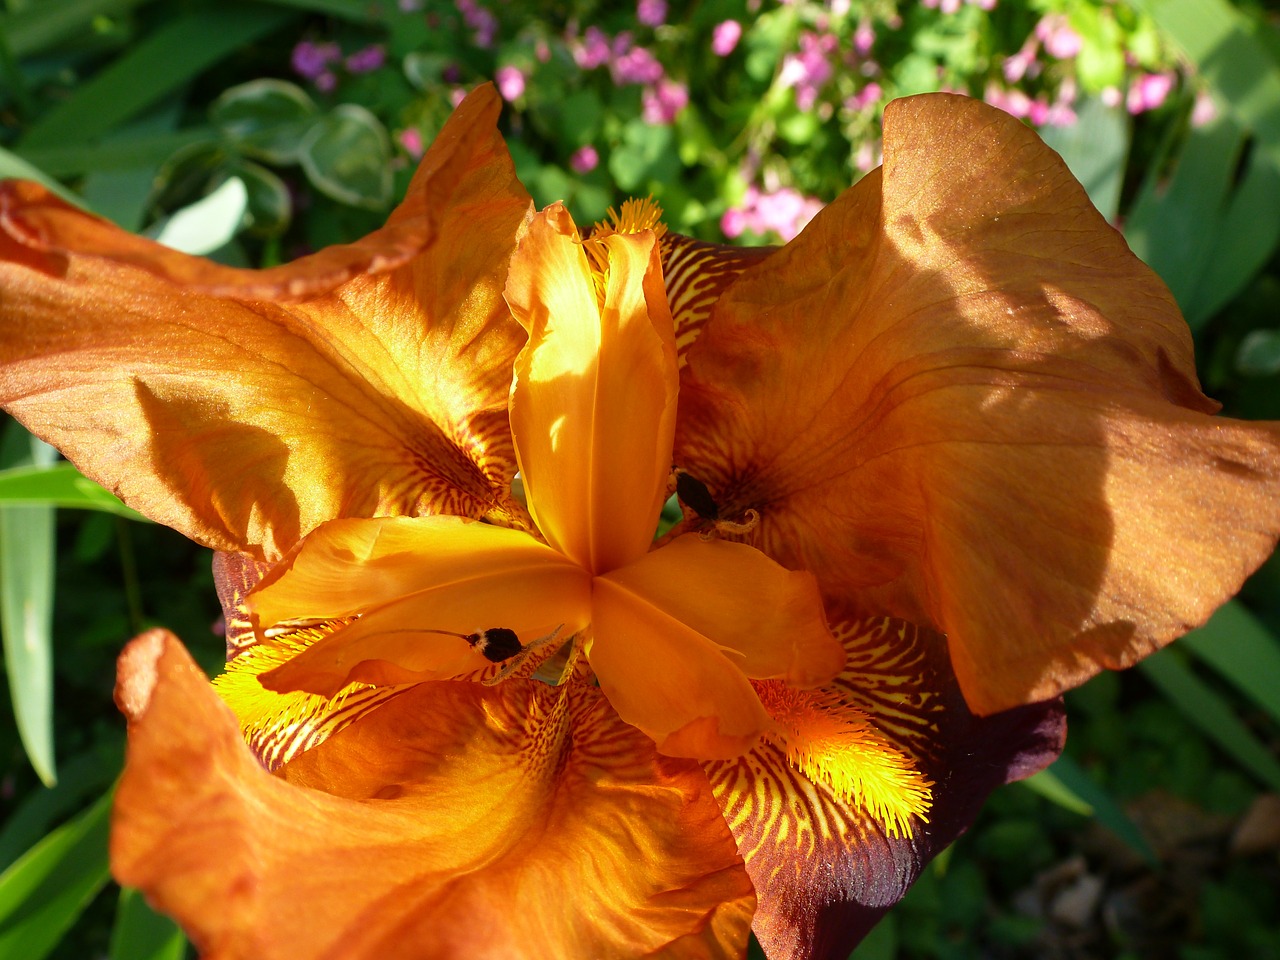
x,y
636,216
836,745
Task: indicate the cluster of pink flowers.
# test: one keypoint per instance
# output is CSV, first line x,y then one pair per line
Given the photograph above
x,y
809,69
630,63
1042,112
953,6
725,37
481,21
1146,92
318,62
511,82
784,211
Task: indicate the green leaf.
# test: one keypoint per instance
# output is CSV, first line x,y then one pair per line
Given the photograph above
x,y
14,166
69,160
26,616
84,775
1050,786
265,118
646,153
209,223
1259,353
347,156
1212,714
1095,148
1236,644
355,11
1220,42
58,485
180,50
39,26
1071,778
270,207
44,892
142,934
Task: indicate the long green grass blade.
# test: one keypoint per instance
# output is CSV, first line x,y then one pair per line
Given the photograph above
x,y
73,159
84,776
1095,149
1212,714
177,52
41,25
1073,778
26,619
1236,644
142,934
15,167
44,892
57,485
1221,42
356,11
1050,786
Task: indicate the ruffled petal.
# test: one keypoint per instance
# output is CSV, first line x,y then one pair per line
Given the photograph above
x,y
454,821
243,408
694,274
958,398
417,586
826,869
593,402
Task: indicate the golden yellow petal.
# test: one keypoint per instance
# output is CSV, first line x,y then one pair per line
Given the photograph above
x,y
454,821
593,403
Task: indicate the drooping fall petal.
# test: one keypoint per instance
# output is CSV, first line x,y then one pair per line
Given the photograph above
x,y
957,397
827,869
593,402
412,581
455,820
245,408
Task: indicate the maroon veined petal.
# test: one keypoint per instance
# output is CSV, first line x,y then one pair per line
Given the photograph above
x,y
825,870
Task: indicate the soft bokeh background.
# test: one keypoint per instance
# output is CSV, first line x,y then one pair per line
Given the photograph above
x,y
256,130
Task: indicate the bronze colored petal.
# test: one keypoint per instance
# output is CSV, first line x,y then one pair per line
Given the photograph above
x,y
958,398
245,422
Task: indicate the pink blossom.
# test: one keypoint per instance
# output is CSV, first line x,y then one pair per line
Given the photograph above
x,y
725,37
785,212
593,51
367,59
652,13
949,6
863,39
637,65
987,5
411,142
1111,97
1060,41
457,95
660,103
1149,92
480,20
867,157
1022,63
310,60
326,82
584,159
510,81
1013,102
1205,110
810,69
867,96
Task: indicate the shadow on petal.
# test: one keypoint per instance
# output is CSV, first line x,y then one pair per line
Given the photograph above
x,y
453,821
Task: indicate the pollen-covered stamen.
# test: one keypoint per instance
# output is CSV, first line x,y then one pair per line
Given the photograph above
x,y
837,746
636,216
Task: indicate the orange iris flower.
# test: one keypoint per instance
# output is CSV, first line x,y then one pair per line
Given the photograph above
x,y
956,400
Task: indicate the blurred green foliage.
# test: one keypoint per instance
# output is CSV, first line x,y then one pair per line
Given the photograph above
x,y
256,130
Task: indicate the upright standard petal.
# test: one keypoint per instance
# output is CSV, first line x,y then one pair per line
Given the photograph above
x,y
958,398
594,397
453,821
245,408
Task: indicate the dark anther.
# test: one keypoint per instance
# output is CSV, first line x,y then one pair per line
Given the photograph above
x,y
694,494
496,644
